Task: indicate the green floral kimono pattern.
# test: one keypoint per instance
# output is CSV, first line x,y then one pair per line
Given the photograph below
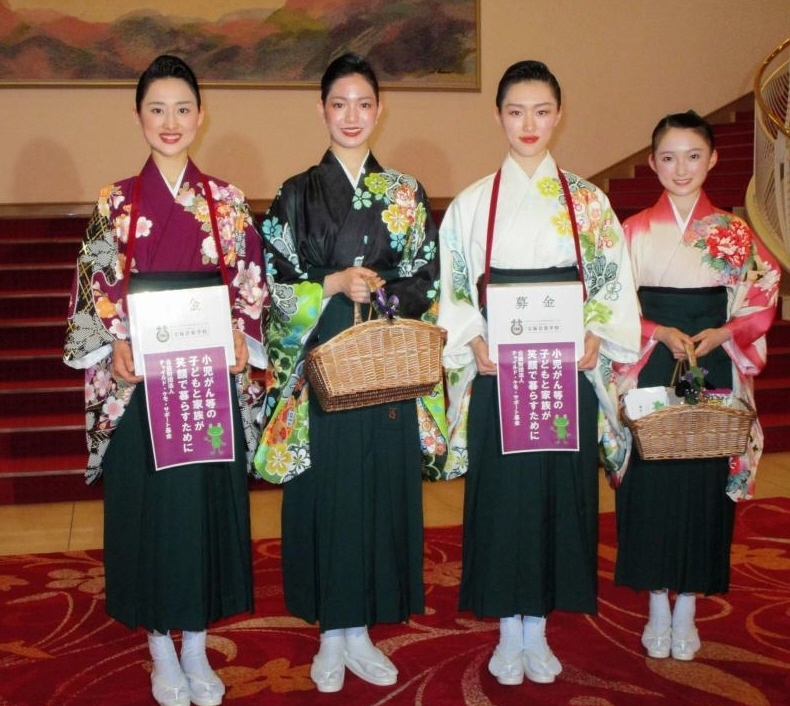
x,y
392,206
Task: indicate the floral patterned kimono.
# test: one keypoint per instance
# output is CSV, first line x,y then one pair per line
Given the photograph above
x,y
710,272
533,514
197,512
352,506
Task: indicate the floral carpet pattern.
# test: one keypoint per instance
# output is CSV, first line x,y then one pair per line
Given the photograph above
x,y
57,646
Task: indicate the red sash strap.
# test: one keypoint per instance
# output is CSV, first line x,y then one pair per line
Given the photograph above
x,y
483,288
490,233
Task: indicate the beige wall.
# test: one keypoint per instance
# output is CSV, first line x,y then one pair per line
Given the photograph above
x,y
622,64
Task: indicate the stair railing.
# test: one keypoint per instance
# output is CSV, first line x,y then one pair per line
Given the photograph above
x,y
768,197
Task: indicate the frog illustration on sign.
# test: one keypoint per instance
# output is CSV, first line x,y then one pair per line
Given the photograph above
x,y
215,434
561,427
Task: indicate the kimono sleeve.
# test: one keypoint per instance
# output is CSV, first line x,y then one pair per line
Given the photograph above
x,y
95,318
458,308
417,288
752,305
248,288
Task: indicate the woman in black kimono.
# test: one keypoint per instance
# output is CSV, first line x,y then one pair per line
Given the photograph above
x,y
352,507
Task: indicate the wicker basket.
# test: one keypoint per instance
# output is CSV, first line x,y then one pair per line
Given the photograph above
x,y
703,430
378,361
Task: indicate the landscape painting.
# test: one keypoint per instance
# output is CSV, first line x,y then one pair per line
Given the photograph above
x,y
414,44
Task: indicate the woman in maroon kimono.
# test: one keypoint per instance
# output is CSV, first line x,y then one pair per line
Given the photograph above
x,y
176,541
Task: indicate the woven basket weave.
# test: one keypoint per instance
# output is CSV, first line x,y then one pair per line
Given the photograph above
x,y
384,360
703,430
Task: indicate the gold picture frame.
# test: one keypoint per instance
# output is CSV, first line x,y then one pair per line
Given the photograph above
x,y
413,44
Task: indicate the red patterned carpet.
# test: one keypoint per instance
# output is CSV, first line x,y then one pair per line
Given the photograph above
x,y
57,647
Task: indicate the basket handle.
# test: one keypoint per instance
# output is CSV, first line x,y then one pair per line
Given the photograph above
x,y
358,306
358,313
692,356
682,365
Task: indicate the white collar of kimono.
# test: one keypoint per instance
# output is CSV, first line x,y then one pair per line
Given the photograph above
x,y
683,222
174,189
354,179
512,169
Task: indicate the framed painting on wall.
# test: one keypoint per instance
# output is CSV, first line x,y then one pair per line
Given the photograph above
x,y
413,44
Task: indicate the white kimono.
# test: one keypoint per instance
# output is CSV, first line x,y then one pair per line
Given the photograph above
x,y
533,231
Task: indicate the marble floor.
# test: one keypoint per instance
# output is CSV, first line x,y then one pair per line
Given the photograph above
x,y
75,526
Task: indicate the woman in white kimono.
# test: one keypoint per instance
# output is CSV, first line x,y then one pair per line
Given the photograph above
x,y
706,282
531,519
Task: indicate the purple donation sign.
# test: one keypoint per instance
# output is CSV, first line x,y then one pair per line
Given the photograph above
x,y
189,406
538,397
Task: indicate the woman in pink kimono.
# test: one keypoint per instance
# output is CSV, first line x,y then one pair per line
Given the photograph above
x,y
176,541
706,282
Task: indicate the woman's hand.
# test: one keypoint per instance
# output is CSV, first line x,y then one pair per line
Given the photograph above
x,y
123,362
241,351
709,339
592,345
355,282
485,366
675,340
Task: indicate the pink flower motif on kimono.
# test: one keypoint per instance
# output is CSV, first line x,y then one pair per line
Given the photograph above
x,y
595,212
405,197
91,394
122,223
113,408
726,243
121,228
227,236
248,282
144,227
119,329
208,249
731,244
186,197
226,194
100,385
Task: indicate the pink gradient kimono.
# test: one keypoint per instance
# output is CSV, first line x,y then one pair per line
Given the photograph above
x,y
716,249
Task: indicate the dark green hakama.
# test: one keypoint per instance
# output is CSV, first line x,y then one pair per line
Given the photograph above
x,y
530,519
352,524
674,518
177,547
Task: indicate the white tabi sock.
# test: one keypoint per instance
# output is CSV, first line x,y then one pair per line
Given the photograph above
x,y
683,613
660,615
333,642
163,653
193,653
535,635
511,640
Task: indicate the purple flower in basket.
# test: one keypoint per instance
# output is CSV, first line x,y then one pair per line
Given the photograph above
x,y
691,384
385,306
